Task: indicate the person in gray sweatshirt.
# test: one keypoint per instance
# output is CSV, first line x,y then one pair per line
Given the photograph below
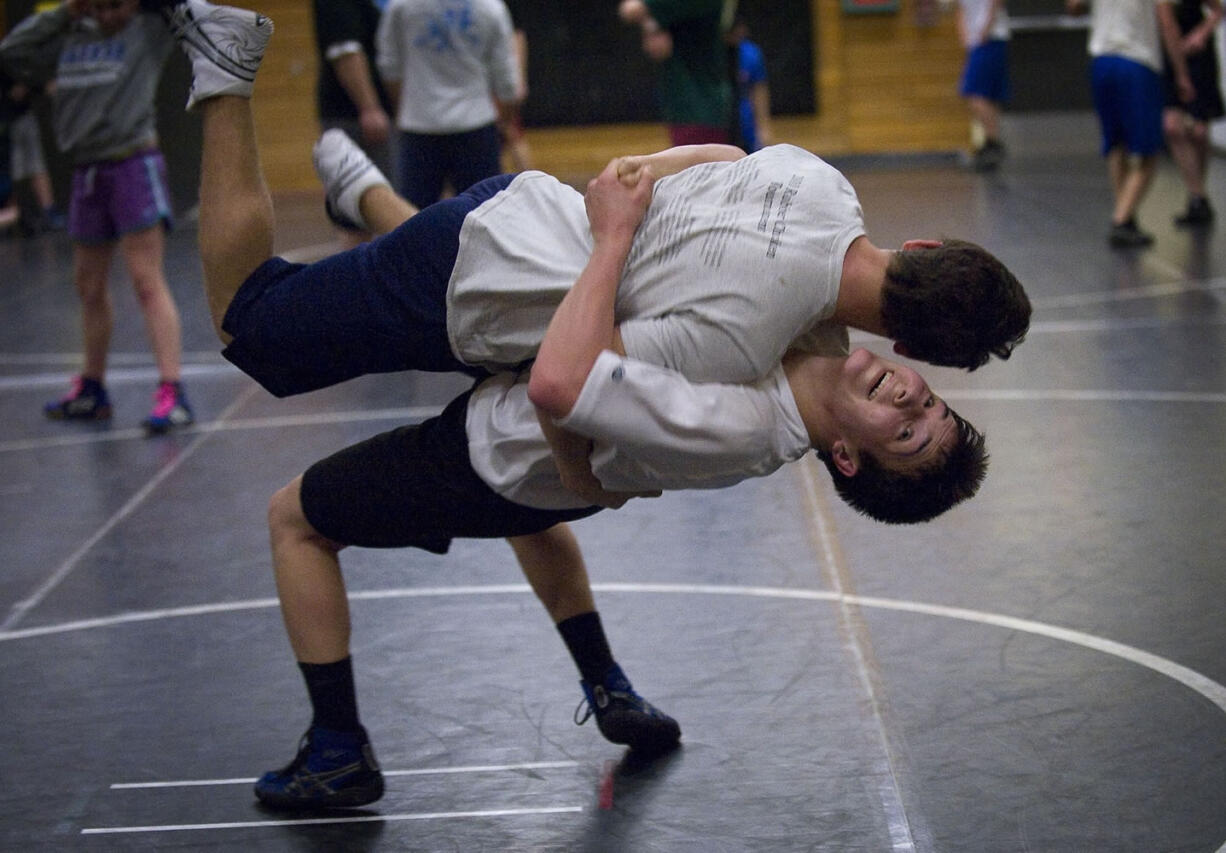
x,y
105,58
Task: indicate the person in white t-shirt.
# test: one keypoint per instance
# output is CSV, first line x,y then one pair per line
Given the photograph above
x,y
425,484
1127,39
983,26
484,468
451,69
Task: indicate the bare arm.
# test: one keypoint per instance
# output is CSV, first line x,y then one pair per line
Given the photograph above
x,y
760,97
583,326
1172,41
1198,38
673,160
353,71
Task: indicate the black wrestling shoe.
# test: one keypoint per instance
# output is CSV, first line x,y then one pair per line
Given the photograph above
x,y
331,770
625,717
1198,213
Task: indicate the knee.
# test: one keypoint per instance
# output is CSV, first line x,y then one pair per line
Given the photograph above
x,y
286,520
1173,124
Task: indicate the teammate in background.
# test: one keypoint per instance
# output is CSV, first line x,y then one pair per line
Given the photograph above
x,y
983,26
349,93
107,57
752,90
1186,123
1127,40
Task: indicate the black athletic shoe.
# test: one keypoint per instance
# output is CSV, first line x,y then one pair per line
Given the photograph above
x,y
625,717
1127,235
331,770
1198,213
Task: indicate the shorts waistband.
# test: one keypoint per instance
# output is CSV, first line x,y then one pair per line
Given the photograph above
x,y
145,146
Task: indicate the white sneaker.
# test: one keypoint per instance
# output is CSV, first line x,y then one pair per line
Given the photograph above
x,y
224,44
346,172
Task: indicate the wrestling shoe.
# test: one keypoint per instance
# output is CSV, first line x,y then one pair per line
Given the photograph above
x,y
1127,235
224,44
86,400
170,409
1198,213
331,770
625,717
346,172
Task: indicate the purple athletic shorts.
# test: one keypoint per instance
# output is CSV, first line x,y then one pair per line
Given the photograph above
x,y
116,197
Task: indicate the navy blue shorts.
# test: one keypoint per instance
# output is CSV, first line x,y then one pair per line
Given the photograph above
x,y
986,74
414,487
428,161
1128,100
378,308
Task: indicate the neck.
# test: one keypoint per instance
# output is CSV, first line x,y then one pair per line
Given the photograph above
x,y
814,380
859,302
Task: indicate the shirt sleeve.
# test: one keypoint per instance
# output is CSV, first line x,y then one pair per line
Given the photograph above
x,y
502,62
337,22
684,434
387,45
694,347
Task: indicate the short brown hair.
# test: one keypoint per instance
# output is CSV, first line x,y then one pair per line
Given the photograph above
x,y
909,497
954,305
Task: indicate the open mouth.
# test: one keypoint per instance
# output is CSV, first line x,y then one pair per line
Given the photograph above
x,y
872,392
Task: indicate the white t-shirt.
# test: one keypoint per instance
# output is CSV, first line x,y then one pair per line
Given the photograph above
x,y
448,62
1127,28
731,264
652,429
975,17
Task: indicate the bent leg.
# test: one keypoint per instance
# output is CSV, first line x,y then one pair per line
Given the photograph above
x,y
236,213
309,581
384,210
553,564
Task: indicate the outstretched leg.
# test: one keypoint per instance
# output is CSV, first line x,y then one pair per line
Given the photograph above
x,y
225,46
236,215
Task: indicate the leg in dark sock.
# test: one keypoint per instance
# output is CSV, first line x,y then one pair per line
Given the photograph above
x,y
585,639
333,697
553,564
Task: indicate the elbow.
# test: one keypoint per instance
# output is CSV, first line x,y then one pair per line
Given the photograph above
x,y
551,391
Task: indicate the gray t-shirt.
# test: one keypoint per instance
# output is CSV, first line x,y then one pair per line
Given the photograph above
x,y
732,263
104,86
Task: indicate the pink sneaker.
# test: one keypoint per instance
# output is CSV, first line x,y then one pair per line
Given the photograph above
x,y
170,409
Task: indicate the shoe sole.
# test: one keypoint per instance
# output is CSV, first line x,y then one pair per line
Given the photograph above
x,y
347,799
191,32
101,414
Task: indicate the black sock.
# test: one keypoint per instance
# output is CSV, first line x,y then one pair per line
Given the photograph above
x,y
584,637
333,697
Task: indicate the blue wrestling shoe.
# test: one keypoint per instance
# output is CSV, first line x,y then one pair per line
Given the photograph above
x,y
331,770
86,400
625,717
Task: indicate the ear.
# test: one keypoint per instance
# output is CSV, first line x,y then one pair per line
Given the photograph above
x,y
912,245
901,349
843,459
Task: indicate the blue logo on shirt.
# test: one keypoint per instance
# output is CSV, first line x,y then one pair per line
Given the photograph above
x,y
454,21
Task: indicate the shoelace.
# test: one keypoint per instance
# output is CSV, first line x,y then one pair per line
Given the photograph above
x,y
604,698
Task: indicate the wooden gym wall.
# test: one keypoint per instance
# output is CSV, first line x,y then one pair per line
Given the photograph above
x,y
883,84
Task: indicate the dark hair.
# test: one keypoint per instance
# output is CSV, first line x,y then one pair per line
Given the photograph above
x,y
909,497
954,305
